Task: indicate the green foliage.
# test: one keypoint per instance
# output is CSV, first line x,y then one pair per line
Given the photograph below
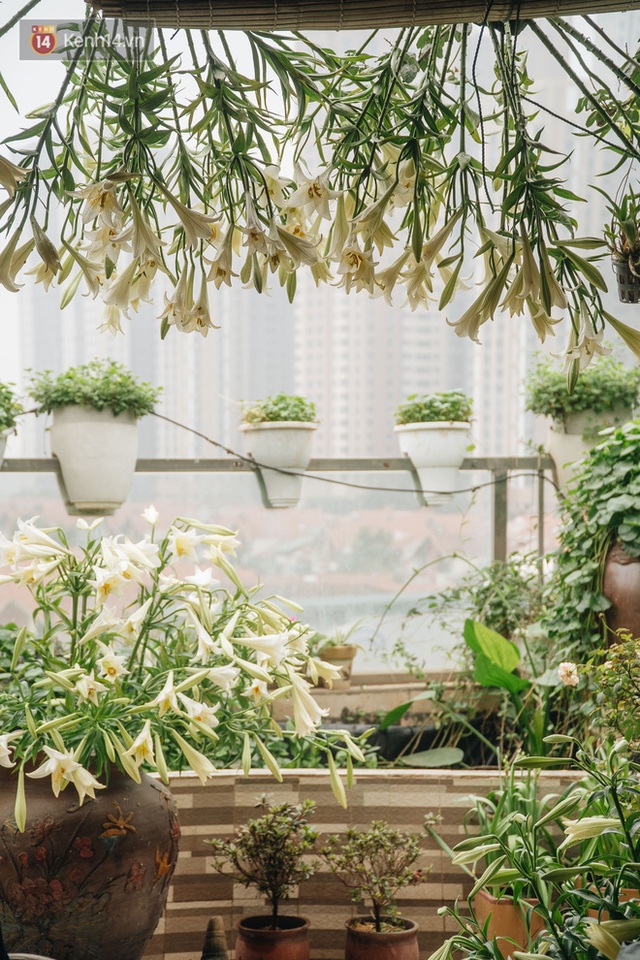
x,y
600,816
451,405
599,510
10,408
375,864
268,853
603,386
282,406
623,232
617,697
101,384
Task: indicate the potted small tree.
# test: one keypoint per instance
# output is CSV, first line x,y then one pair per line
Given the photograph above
x,y
433,431
278,434
604,396
268,853
94,435
10,408
375,864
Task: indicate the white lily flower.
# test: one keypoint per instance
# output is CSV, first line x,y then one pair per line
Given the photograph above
x,y
111,665
356,267
64,769
11,175
307,715
200,711
88,688
111,318
141,750
8,265
107,621
100,202
196,225
130,629
206,643
108,582
150,515
201,766
258,689
313,194
203,579
119,289
222,264
167,698
145,241
224,677
5,749
272,646
183,543
107,241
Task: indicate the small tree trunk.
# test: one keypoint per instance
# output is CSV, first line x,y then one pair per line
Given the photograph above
x,y
274,913
376,916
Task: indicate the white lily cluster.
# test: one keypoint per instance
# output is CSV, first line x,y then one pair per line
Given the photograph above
x,y
290,224
167,659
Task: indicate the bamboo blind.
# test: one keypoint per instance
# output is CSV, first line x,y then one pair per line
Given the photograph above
x,y
342,14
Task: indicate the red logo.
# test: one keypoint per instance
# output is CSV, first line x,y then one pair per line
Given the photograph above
x,y
43,39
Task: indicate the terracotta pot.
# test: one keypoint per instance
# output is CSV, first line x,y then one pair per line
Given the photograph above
x,y
257,942
624,895
86,882
365,943
341,656
507,920
621,585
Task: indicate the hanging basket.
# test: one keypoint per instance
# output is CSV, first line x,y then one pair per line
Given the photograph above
x,y
628,282
340,14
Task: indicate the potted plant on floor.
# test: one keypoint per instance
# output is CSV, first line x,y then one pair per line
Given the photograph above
x,y
139,657
604,395
94,435
270,854
375,864
278,433
433,431
10,409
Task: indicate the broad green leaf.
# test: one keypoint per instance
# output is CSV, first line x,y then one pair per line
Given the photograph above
x,y
438,757
482,639
393,716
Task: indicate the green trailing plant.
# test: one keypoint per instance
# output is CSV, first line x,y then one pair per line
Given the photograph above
x,y
375,864
101,384
10,408
452,405
599,815
600,509
359,167
603,386
270,852
282,406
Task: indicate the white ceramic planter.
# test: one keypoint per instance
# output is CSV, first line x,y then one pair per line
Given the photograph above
x,y
3,444
569,442
97,453
436,451
285,444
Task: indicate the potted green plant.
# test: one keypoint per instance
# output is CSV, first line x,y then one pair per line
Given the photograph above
x,y
577,883
10,409
433,431
622,235
375,864
278,433
604,395
96,407
138,657
270,853
595,580
335,649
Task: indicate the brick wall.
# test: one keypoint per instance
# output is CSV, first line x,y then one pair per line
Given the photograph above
x,y
400,797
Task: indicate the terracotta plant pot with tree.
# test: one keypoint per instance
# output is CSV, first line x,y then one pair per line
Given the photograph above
x,y
267,853
374,864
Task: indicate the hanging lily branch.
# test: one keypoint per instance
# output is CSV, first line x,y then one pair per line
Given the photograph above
x,y
397,174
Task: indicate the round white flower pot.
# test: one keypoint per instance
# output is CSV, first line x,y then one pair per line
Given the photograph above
x,y
3,443
285,444
436,451
570,441
97,452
